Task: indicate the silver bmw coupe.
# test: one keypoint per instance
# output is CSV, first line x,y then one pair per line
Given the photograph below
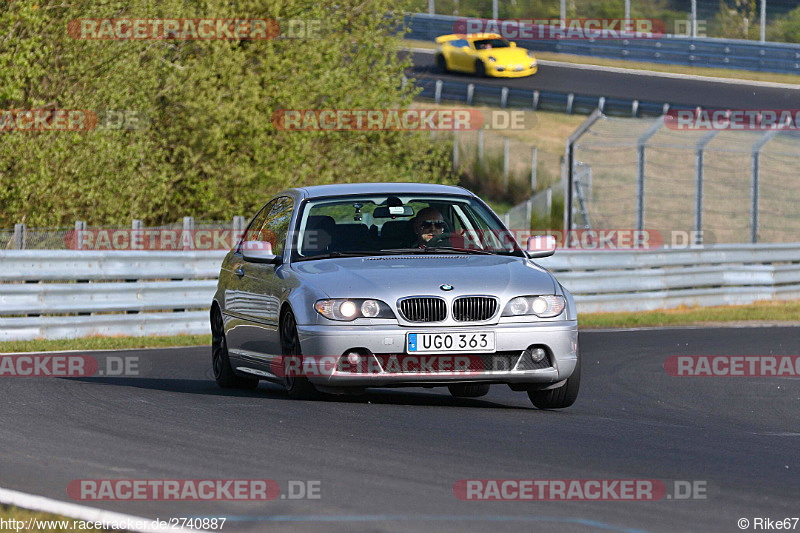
x,y
336,288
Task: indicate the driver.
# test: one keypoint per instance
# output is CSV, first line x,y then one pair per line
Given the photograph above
x,y
428,224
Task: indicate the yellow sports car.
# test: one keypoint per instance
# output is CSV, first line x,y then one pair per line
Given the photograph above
x,y
484,54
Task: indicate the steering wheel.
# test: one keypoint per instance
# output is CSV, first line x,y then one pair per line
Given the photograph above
x,y
439,240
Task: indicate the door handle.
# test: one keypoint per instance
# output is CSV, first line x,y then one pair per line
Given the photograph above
x,y
239,272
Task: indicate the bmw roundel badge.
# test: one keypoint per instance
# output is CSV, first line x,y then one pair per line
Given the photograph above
x,y
446,287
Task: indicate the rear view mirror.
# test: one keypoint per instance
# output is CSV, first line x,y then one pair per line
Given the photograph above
x,y
384,211
541,246
258,252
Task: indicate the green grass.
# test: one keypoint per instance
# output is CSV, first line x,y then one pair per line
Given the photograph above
x,y
760,312
643,65
16,513
104,343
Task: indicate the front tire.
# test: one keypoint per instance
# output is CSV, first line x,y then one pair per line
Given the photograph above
x,y
559,398
220,361
469,390
441,64
298,387
480,69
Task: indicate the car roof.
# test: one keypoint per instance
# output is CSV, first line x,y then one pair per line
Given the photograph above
x,y
318,191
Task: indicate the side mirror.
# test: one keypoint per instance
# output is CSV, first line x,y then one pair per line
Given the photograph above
x,y
513,44
259,252
541,246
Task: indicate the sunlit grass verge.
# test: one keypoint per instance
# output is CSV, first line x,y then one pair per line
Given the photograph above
x,y
41,522
756,313
104,343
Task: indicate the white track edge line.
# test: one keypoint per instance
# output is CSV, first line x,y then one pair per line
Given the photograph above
x,y
653,73
72,510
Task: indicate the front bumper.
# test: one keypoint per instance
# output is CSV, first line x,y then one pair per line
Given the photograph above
x,y
501,71
559,339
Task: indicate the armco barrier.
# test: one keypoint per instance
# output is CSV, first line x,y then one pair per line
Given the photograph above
x,y
670,49
67,294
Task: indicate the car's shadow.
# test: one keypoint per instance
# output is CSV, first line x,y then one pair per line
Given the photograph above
x,y
271,391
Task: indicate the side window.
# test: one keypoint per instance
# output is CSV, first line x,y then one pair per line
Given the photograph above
x,y
252,230
276,224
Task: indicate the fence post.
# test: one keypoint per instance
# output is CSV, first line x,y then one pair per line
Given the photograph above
x,y
480,145
431,7
19,236
755,178
548,200
137,234
640,171
455,151
495,11
187,235
506,150
80,227
698,182
528,212
534,164
567,170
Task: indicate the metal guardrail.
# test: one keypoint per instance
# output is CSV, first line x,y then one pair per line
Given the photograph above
x,y
56,294
492,95
727,274
169,293
670,49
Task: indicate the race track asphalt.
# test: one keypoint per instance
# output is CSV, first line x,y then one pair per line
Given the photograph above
x,y
388,460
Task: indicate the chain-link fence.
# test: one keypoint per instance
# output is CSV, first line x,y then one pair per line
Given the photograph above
x,y
720,186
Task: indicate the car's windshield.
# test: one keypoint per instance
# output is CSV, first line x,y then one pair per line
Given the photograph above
x,y
376,225
487,44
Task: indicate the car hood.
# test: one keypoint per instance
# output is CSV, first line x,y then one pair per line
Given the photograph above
x,y
392,277
506,55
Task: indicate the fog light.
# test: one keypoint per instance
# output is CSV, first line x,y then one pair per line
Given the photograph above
x,y
538,355
353,358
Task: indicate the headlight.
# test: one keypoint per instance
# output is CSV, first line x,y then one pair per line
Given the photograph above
x,y
541,306
344,309
492,59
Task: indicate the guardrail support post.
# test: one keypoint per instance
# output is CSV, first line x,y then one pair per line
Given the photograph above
x,y
19,236
504,98
601,104
438,95
535,100
570,100
635,108
534,164
137,234
470,93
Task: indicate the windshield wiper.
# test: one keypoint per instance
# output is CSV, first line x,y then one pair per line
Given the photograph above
x,y
331,255
436,249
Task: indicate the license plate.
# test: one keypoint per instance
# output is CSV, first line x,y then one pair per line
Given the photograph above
x,y
474,341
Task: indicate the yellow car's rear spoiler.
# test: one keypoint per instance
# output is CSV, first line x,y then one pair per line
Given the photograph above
x,y
452,37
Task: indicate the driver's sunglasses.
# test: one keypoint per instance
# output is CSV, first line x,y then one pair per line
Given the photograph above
x,y
438,224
